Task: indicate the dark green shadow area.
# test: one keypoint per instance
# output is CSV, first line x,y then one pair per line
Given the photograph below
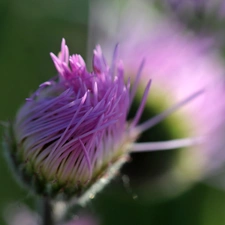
x,y
201,205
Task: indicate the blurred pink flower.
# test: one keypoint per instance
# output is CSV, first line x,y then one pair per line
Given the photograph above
x,y
179,64
83,220
189,7
19,214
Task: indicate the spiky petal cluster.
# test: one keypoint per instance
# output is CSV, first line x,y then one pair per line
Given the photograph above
x,y
73,127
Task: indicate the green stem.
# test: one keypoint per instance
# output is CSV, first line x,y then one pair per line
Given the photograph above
x,y
46,212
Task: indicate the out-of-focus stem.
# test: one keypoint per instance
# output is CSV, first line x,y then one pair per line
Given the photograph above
x,y
46,212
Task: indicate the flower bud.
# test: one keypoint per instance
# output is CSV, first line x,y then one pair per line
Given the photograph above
x,y
72,134
73,127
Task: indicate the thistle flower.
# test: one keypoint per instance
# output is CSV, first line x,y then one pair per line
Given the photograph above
x,y
178,63
72,133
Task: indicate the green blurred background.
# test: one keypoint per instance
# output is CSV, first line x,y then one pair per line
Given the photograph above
x,y
29,30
